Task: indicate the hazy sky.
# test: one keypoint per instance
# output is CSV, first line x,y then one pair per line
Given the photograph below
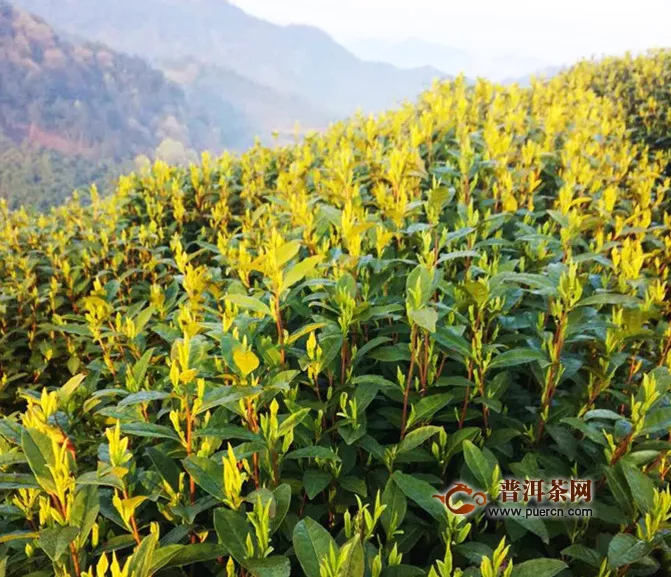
x,y
556,31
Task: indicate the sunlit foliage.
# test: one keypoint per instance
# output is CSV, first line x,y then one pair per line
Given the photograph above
x,y
269,365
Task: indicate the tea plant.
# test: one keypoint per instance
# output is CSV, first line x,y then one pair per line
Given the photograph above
x,y
270,365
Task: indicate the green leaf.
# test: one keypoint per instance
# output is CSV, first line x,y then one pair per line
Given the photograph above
x,y
477,290
163,556
54,542
188,555
460,233
149,430
452,343
539,568
143,397
292,421
397,505
390,354
66,391
415,438
617,483
232,529
298,272
642,458
584,554
656,422
474,551
602,414
535,526
140,368
478,464
142,319
458,254
165,466
354,485
625,549
315,452
351,435
264,496
141,561
535,281
589,431
426,318
455,442
207,474
38,450
277,566
282,502
312,543
402,571
10,481
224,395
12,458
100,479
18,536
364,396
421,493
517,357
362,352
373,380
353,564
287,251
251,303
419,282
608,299
85,510
307,329
427,407
315,481
642,487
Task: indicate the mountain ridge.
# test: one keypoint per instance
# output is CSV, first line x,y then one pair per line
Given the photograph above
x,y
293,58
412,52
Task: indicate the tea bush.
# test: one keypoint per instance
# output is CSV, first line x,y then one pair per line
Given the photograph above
x,y
270,365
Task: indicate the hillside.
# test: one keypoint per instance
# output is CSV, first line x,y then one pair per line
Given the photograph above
x,y
74,114
81,99
271,365
292,59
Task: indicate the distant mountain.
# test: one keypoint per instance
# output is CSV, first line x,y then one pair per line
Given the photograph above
x,y
81,99
413,52
75,114
238,108
292,59
113,81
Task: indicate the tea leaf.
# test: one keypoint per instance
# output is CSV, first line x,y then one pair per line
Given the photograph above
x,y
54,542
232,530
312,543
539,568
626,549
208,474
276,566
